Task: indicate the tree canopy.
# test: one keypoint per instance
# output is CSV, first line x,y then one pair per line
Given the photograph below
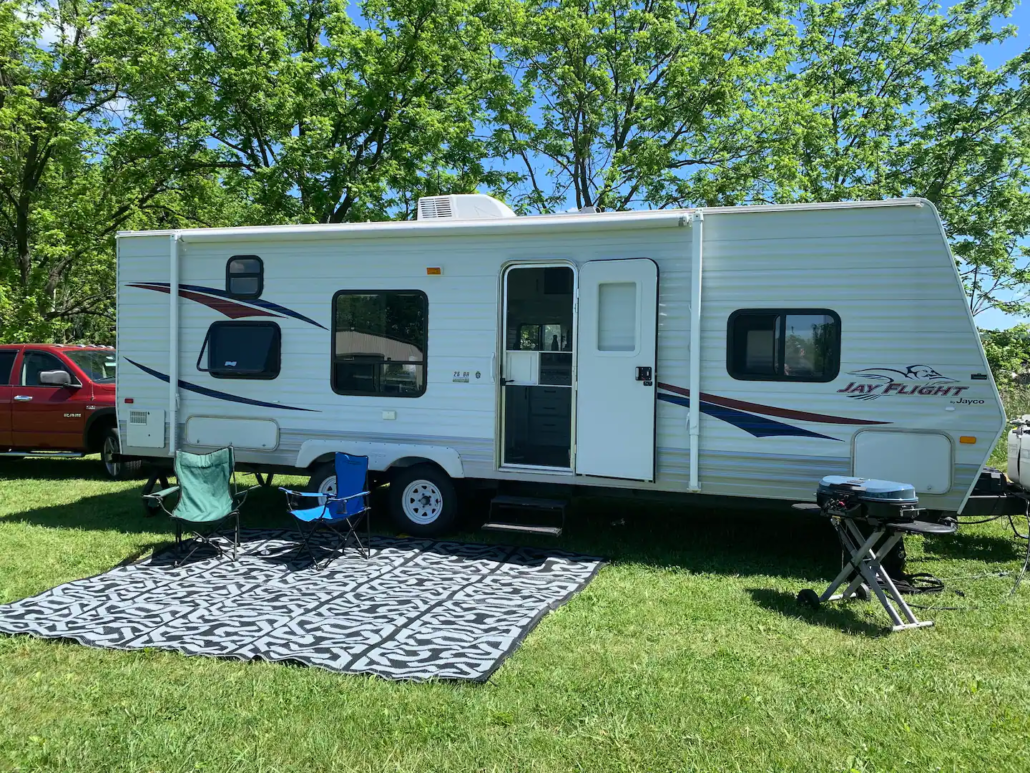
x,y
135,114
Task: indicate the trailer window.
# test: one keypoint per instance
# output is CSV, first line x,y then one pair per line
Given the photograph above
x,y
242,350
379,342
783,345
245,276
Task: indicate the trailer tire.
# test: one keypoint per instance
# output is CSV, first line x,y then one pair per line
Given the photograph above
x,y
109,446
423,500
323,481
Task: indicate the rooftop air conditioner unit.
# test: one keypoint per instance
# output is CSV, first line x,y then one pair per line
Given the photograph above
x,y
471,206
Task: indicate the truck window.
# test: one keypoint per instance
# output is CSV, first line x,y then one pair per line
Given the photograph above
x,y
34,363
98,365
6,364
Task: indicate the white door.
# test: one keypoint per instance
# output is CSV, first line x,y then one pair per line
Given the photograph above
x,y
618,325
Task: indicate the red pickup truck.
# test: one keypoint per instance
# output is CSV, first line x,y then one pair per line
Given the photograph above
x,y
58,400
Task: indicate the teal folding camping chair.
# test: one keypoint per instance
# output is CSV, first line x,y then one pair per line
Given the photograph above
x,y
208,496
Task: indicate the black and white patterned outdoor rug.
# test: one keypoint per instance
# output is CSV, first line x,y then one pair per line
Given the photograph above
x,y
417,609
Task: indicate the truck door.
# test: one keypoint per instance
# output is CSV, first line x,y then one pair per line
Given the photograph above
x,y
7,357
618,352
46,416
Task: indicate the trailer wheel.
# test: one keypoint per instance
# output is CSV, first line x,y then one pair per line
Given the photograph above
x,y
323,480
423,500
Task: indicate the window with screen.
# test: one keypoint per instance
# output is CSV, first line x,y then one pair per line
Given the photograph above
x,y
6,364
783,345
379,342
245,276
242,350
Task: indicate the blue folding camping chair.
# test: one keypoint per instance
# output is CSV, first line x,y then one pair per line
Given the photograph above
x,y
335,511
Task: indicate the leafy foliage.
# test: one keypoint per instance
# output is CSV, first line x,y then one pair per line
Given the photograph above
x,y
628,103
1008,352
119,114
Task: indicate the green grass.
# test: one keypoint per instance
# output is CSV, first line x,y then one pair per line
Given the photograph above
x,y
688,652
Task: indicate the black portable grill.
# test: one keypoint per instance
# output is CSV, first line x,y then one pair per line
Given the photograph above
x,y
888,511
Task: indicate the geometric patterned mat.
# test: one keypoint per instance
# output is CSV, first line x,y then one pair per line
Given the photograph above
x,y
417,609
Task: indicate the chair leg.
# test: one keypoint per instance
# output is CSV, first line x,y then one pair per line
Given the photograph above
x,y
236,541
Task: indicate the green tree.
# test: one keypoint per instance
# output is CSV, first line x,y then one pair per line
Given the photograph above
x,y
886,99
75,167
321,117
629,103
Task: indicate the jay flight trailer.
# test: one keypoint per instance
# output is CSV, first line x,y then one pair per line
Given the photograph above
x,y
738,351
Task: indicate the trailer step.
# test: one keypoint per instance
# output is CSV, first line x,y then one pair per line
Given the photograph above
x,y
537,506
528,503
550,531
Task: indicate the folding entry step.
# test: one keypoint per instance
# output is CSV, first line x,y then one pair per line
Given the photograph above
x,y
538,507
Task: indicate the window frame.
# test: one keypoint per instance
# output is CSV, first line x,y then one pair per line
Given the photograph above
x,y
425,346
783,313
260,275
251,376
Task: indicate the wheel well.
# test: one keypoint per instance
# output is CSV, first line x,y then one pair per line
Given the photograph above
x,y
411,461
397,464
95,432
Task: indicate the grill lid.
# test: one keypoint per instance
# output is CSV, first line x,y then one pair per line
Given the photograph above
x,y
869,489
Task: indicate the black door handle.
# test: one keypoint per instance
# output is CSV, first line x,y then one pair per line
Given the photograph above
x,y
645,374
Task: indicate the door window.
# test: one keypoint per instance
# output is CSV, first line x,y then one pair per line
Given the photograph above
x,y
617,317
34,363
6,364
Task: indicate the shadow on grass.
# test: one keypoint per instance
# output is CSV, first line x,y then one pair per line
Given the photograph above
x,y
30,468
973,547
711,539
703,540
838,615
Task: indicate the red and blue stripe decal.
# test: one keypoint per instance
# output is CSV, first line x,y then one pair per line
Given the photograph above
x,y
753,417
202,390
225,304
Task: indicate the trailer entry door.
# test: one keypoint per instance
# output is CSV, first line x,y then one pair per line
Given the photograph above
x,y
615,403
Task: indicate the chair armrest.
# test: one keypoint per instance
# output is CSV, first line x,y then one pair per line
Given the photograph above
x,y
160,495
303,493
352,496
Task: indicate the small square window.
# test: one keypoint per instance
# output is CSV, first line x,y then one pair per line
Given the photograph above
x,y
783,345
244,276
242,350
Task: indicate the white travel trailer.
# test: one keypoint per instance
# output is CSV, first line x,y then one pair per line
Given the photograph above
x,y
473,344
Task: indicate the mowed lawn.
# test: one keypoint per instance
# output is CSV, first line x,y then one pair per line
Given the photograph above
x,y
686,653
